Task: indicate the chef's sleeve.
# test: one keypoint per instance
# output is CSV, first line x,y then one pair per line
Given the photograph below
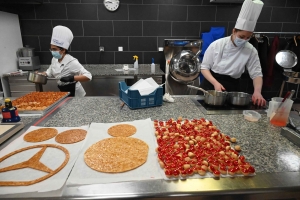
x,y
253,65
48,71
80,70
208,57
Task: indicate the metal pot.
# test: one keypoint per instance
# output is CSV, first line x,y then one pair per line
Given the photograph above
x,y
37,78
239,98
215,98
212,97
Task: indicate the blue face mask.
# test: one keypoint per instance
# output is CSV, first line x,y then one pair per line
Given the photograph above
x,y
239,42
56,54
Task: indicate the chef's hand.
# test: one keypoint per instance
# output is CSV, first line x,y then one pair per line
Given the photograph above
x,y
258,99
219,87
43,73
67,79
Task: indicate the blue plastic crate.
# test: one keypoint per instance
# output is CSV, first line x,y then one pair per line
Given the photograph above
x,y
134,100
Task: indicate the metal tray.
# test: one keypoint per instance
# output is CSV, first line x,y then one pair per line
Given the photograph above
x,y
42,112
14,129
291,135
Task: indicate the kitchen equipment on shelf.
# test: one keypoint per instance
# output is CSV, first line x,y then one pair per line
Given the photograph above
x,y
182,65
238,98
25,52
288,59
27,59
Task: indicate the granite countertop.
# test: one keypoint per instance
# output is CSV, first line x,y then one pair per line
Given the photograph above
x,y
28,119
110,70
261,143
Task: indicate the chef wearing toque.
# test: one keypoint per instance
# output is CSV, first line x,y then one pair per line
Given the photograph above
x,y
65,67
226,59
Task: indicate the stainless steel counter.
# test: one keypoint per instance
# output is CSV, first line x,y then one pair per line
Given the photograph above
x,y
276,184
106,78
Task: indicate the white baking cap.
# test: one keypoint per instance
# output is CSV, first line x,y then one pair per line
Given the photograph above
x,y
62,37
248,15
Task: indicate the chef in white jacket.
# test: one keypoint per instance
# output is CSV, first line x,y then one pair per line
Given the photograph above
x,y
65,67
226,59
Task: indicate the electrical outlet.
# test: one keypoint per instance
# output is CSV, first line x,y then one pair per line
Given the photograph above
x,y
101,48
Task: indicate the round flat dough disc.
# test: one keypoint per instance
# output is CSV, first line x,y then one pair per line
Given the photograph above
x,y
119,154
122,130
71,136
40,135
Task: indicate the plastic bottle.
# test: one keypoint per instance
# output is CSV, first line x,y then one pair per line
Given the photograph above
x,y
152,66
136,63
9,112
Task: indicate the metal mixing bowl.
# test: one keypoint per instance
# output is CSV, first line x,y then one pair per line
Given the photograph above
x,y
185,67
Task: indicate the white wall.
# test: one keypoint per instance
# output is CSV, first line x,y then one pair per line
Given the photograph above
x,y
10,41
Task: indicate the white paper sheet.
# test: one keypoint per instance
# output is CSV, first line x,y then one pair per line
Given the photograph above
x,y
82,174
145,87
51,158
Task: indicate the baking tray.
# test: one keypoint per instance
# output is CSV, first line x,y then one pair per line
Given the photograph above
x,y
15,127
42,112
291,135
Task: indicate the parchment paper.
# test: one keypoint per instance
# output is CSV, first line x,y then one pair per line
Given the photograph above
x,y
82,174
52,158
194,176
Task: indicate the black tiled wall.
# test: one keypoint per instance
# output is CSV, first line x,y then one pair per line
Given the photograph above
x,y
140,26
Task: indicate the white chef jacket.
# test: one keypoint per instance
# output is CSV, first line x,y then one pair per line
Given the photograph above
x,y
224,58
69,66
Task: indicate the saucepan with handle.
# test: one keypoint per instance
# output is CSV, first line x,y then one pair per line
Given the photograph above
x,y
239,98
38,78
212,97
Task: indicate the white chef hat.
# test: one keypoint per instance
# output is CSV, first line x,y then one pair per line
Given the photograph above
x,y
248,15
62,36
